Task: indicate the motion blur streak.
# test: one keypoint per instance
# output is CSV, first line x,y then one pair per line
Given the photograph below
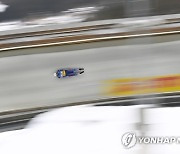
x,y
28,81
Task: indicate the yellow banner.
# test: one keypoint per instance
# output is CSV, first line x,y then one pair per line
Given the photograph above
x,y
136,86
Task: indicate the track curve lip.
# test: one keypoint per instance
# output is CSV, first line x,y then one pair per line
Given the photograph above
x,y
88,39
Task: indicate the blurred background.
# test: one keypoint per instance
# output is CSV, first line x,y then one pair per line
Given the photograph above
x,y
46,12
129,50
96,10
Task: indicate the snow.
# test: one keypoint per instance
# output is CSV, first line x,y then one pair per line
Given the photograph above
x,y
3,7
81,130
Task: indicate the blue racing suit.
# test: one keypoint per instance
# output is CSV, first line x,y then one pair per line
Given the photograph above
x,y
71,72
65,73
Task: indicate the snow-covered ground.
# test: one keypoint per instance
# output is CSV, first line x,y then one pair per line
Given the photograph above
x,y
3,7
94,130
77,17
74,130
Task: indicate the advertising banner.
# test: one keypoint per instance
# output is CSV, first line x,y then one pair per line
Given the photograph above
x,y
145,85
